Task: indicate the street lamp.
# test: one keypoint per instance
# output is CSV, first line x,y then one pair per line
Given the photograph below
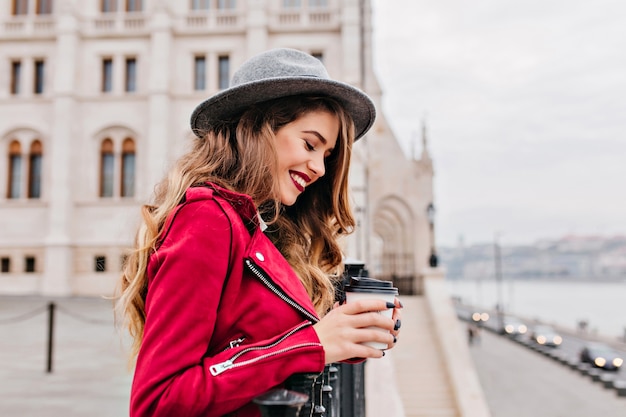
x,y
430,214
497,257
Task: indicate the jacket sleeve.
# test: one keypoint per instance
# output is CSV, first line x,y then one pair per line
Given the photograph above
x,y
173,374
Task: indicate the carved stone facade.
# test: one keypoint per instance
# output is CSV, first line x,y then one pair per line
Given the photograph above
x,y
95,102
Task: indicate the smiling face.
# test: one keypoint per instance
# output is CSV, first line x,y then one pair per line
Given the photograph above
x,y
302,147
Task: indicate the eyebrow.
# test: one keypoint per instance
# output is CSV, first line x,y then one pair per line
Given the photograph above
x,y
316,133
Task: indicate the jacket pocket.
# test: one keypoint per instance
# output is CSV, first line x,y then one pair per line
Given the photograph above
x,y
239,359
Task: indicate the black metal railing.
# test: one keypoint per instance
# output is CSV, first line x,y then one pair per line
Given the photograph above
x,y
339,391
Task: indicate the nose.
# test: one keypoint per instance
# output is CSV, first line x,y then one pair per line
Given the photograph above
x,y
317,166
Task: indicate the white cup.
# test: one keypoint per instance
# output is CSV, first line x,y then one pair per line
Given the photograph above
x,y
369,292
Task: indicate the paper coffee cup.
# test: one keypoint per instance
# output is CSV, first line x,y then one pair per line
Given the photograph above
x,y
365,288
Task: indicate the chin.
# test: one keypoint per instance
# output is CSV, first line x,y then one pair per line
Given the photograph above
x,y
288,202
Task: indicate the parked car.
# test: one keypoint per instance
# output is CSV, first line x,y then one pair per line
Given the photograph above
x,y
546,336
601,356
513,326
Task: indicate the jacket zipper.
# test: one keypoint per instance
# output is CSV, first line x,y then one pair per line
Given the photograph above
x,y
230,363
259,273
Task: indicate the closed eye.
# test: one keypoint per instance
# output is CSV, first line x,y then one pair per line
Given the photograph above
x,y
308,145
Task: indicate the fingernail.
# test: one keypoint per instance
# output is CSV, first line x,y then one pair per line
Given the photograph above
x,y
390,305
383,353
397,325
400,304
395,339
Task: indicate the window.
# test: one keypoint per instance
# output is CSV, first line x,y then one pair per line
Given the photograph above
x,y
223,72
100,263
226,4
39,73
107,162
123,260
318,3
292,4
29,264
44,6
128,168
34,170
133,5
108,6
200,4
131,74
318,55
199,73
5,264
20,7
107,75
15,170
16,76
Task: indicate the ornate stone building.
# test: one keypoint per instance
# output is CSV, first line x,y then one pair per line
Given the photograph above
x,y
95,99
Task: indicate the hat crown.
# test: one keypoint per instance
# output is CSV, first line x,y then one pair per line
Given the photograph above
x,y
279,63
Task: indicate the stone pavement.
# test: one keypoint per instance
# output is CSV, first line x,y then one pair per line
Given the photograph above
x,y
89,375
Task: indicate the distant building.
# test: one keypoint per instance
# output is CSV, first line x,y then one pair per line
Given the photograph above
x,y
95,98
571,258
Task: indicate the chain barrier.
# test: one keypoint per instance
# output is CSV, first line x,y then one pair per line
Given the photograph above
x,y
42,309
51,308
24,316
82,318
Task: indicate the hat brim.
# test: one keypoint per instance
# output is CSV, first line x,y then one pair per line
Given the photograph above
x,y
232,101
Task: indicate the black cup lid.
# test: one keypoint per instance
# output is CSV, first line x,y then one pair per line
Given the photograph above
x,y
367,284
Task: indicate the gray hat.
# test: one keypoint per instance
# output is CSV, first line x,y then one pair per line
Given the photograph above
x,y
280,73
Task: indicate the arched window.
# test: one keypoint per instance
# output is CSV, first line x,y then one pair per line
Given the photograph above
x,y
108,6
34,170
20,7
15,170
128,168
44,6
107,166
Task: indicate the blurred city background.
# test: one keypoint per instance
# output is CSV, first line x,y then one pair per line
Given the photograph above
x,y
487,190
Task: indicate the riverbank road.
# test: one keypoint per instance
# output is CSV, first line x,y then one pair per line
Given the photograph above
x,y
519,382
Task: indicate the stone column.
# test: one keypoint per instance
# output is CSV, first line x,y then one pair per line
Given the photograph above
x,y
157,142
256,35
58,254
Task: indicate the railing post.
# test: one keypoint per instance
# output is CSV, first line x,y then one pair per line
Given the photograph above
x,y
281,403
51,309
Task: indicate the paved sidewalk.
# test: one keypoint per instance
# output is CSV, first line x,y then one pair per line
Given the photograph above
x,y
89,375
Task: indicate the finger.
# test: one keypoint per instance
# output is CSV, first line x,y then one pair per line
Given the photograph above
x,y
362,306
375,335
372,319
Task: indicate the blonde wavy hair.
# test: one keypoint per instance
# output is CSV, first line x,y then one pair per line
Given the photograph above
x,y
240,155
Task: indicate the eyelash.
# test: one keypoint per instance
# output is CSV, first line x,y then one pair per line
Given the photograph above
x,y
309,146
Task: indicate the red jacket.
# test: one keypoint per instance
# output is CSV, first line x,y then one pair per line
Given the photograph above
x,y
227,319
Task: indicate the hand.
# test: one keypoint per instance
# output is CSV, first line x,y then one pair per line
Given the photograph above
x,y
343,330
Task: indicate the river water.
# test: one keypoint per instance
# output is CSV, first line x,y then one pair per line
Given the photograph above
x,y
601,304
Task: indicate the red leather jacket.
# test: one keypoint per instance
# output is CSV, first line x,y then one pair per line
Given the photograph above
x,y
227,319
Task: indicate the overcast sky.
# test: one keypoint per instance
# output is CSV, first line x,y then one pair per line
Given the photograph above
x,y
525,103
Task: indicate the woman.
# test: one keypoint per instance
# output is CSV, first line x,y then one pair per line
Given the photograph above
x,y
230,289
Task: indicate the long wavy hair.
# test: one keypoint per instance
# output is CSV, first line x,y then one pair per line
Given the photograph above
x,y
240,155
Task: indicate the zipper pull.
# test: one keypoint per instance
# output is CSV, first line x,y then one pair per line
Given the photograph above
x,y
236,342
220,367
